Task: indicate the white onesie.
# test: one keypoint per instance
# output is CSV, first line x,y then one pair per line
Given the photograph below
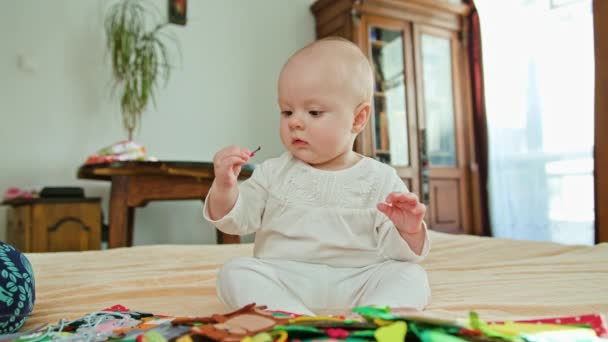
x,y
320,241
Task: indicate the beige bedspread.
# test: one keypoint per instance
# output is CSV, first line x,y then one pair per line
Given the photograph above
x,y
500,279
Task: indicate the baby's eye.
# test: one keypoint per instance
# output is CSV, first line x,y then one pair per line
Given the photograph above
x,y
315,112
286,112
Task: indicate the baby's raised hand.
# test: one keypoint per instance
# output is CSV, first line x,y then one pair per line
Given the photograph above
x,y
404,209
227,164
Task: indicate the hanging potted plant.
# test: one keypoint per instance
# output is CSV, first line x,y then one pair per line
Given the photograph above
x,y
139,54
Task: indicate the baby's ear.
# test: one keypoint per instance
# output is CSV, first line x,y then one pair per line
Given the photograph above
x,y
362,114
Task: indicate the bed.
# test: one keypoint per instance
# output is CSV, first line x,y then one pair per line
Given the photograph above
x,y
500,279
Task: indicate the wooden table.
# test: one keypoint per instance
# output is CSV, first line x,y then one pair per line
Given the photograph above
x,y
135,183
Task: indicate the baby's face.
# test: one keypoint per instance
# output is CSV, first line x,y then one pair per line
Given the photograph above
x,y
317,110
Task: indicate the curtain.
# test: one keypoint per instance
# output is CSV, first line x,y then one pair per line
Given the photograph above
x,y
479,112
538,75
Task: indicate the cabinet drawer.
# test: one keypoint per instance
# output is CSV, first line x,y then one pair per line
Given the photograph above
x,y
65,227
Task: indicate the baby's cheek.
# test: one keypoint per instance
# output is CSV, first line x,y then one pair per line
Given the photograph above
x,y
332,136
328,137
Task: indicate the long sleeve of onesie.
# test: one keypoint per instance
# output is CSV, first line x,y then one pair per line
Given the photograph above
x,y
246,215
391,244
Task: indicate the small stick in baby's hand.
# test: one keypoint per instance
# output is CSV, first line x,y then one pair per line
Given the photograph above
x,y
255,151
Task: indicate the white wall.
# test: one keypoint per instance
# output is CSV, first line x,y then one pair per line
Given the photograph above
x,y
58,108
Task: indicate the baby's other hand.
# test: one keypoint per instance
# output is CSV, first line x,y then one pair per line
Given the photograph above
x,y
404,209
227,164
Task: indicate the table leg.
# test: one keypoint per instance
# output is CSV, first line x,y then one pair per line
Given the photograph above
x,y
223,238
117,230
130,225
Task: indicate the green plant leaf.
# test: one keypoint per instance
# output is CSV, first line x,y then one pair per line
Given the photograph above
x,y
139,56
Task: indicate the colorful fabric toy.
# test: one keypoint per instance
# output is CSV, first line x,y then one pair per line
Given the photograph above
x,y
255,324
120,151
234,326
17,291
14,193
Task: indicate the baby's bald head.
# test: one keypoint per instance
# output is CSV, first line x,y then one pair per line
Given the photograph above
x,y
341,64
325,92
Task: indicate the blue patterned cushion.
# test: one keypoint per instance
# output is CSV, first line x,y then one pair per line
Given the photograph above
x,y
17,292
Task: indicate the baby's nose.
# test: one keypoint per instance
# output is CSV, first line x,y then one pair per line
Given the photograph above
x,y
295,121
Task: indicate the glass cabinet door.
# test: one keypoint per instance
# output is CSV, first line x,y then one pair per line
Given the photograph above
x,y
390,110
438,100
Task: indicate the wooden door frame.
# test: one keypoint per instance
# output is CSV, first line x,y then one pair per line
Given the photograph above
x,y
600,10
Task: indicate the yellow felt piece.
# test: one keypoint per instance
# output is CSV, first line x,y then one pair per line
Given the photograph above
x,y
262,337
381,322
185,338
282,335
512,328
315,319
154,336
391,333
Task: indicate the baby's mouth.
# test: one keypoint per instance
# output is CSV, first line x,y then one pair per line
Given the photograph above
x,y
299,142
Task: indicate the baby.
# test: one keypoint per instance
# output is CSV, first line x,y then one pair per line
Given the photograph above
x,y
334,229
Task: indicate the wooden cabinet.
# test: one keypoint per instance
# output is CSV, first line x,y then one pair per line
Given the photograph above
x,y
54,225
422,112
